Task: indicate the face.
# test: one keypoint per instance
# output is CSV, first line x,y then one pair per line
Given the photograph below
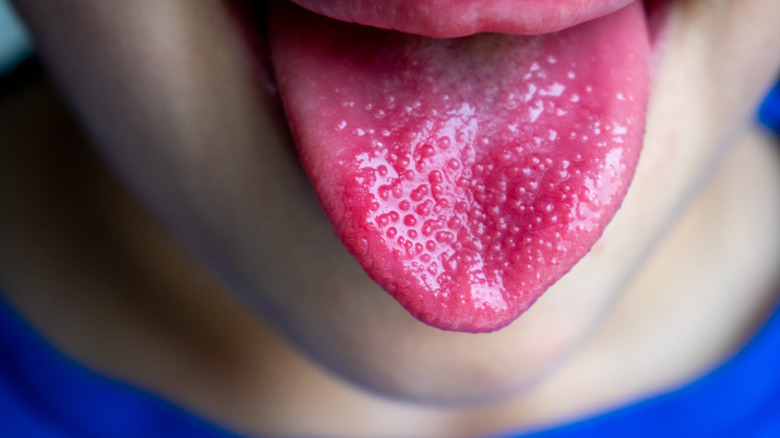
x,y
176,95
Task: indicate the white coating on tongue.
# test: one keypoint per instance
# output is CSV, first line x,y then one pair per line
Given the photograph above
x,y
466,175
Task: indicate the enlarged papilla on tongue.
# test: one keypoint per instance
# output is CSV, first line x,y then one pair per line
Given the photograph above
x,y
465,175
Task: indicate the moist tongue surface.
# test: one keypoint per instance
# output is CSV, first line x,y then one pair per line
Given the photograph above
x,y
465,175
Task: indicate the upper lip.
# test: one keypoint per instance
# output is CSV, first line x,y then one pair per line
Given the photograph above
x,y
455,18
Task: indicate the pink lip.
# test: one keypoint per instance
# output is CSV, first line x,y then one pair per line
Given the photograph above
x,y
454,18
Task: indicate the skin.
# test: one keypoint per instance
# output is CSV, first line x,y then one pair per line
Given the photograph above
x,y
185,251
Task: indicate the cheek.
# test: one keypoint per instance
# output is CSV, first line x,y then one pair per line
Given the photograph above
x,y
713,69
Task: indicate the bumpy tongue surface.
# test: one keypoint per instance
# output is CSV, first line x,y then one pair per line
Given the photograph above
x,y
465,175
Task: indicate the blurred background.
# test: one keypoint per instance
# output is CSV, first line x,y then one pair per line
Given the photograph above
x,y
15,44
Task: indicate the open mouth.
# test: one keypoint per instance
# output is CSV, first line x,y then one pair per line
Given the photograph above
x,y
465,174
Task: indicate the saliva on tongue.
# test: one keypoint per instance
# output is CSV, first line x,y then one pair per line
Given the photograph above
x,y
465,175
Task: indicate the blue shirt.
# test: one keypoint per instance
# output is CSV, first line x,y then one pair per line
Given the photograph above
x,y
43,393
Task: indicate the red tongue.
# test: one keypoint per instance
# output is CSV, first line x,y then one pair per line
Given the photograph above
x,y
465,175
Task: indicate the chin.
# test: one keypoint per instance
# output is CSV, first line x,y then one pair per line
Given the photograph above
x,y
382,349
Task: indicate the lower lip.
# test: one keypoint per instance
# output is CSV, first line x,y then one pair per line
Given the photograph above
x,y
447,18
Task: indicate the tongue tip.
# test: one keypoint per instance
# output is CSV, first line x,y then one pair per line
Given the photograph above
x,y
480,320
462,305
451,315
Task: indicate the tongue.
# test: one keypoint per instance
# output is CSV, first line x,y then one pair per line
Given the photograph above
x,y
465,175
